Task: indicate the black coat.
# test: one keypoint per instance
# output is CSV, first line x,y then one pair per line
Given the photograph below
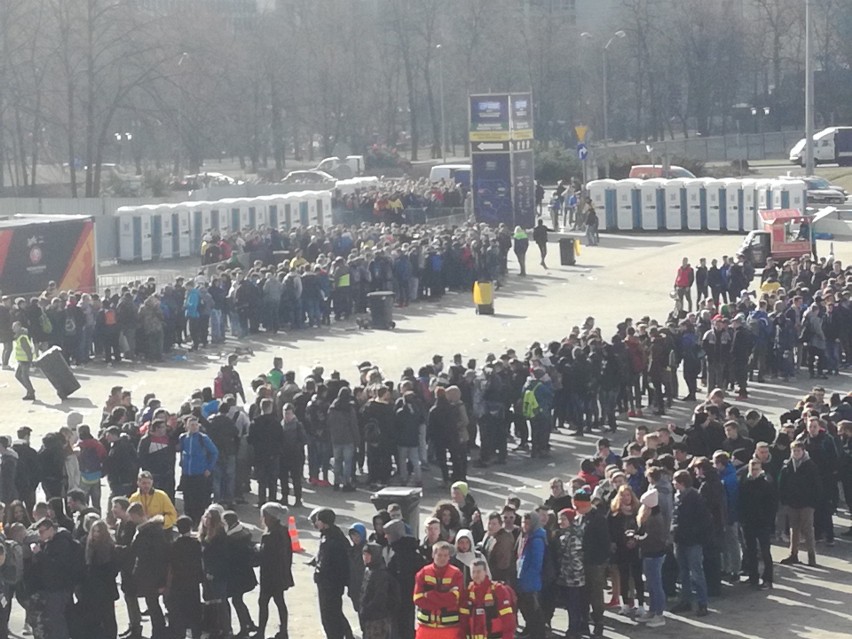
x,y
275,556
99,583
799,487
690,518
122,463
404,565
596,548
380,597
241,577
266,437
27,476
150,558
55,567
758,502
186,572
331,566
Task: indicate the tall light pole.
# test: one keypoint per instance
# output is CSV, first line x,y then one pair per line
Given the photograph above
x,y
443,114
809,92
618,34
180,117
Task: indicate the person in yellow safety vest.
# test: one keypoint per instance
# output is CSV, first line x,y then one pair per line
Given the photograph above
x,y
489,608
24,357
341,298
438,596
155,502
520,246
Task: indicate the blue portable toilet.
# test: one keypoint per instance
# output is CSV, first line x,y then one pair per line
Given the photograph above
x,y
602,194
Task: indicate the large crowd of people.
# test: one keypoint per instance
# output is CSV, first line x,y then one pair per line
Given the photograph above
x,y
388,199
674,514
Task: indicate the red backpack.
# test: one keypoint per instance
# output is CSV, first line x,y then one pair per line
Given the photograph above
x,y
219,386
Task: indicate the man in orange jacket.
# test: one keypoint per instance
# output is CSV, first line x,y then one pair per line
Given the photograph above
x,y
437,596
488,611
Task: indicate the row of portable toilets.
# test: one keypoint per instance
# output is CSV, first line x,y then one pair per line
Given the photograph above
x,y
166,231
699,204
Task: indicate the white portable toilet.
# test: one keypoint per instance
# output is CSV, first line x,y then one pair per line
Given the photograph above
x,y
324,213
161,232
790,194
653,204
763,194
124,215
602,194
733,190
748,204
716,203
696,205
628,205
181,230
261,213
142,231
675,193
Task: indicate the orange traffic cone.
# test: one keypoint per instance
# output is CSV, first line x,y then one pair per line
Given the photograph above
x,y
295,544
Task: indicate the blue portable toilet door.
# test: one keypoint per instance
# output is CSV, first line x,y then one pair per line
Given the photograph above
x,y
319,213
137,237
197,232
156,237
723,209
288,217
742,213
303,214
214,220
609,213
684,211
703,199
636,207
252,217
175,235
273,216
235,220
661,209
785,199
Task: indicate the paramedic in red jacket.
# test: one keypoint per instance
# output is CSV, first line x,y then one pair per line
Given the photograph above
x,y
488,611
684,280
437,595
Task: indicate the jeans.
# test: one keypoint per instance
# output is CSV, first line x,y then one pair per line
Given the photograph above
x,y
224,475
690,561
409,454
653,569
595,584
344,458
755,537
732,554
574,605
237,328
312,309
217,326
423,447
530,608
540,431
319,454
93,492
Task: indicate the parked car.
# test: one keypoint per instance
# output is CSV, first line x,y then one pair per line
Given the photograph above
x,y
649,171
821,191
310,178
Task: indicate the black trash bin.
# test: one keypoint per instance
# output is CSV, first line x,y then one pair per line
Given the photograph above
x,y
381,309
566,251
407,498
57,372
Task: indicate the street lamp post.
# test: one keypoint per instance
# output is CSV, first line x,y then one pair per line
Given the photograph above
x,y
443,113
809,92
605,53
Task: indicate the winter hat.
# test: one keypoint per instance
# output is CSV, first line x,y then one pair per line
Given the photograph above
x,y
395,530
276,511
462,487
360,530
650,499
582,495
570,513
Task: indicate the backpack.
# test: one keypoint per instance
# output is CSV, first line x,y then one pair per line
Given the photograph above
x,y
530,403
46,324
109,317
372,432
219,386
12,571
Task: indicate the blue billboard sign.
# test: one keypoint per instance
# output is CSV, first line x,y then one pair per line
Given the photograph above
x,y
492,187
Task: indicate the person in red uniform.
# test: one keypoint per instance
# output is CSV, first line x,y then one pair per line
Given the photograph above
x,y
487,612
437,595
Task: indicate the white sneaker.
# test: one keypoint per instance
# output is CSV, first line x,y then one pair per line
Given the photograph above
x,y
624,609
657,621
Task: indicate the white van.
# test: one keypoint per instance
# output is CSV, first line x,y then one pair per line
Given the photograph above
x,y
451,172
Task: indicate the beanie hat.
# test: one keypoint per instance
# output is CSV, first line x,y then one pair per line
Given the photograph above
x,y
650,499
276,511
570,513
582,495
395,530
461,486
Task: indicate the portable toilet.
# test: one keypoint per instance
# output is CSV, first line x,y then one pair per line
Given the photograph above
x,y
199,220
716,205
628,205
696,204
653,204
287,212
180,216
789,194
748,205
763,194
142,244
733,209
124,215
602,194
675,193
228,215
324,218
161,232
261,211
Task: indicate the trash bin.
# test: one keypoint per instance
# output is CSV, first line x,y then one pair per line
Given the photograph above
x,y
566,251
407,498
483,297
58,373
381,309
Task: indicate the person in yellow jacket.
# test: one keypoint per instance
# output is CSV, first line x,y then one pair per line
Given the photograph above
x,y
154,502
24,358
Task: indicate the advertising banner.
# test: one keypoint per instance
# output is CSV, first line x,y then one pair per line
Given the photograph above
x,y
492,188
522,116
35,253
489,118
523,174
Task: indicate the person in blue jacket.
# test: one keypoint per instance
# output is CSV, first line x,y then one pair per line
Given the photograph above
x,y
198,456
532,545
731,551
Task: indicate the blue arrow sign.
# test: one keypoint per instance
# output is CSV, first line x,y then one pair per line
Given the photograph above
x,y
582,151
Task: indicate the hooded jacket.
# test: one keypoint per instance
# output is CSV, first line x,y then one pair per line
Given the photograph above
x,y
379,595
150,557
241,577
464,560
342,423
356,563
275,556
404,563
198,454
531,548
728,475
